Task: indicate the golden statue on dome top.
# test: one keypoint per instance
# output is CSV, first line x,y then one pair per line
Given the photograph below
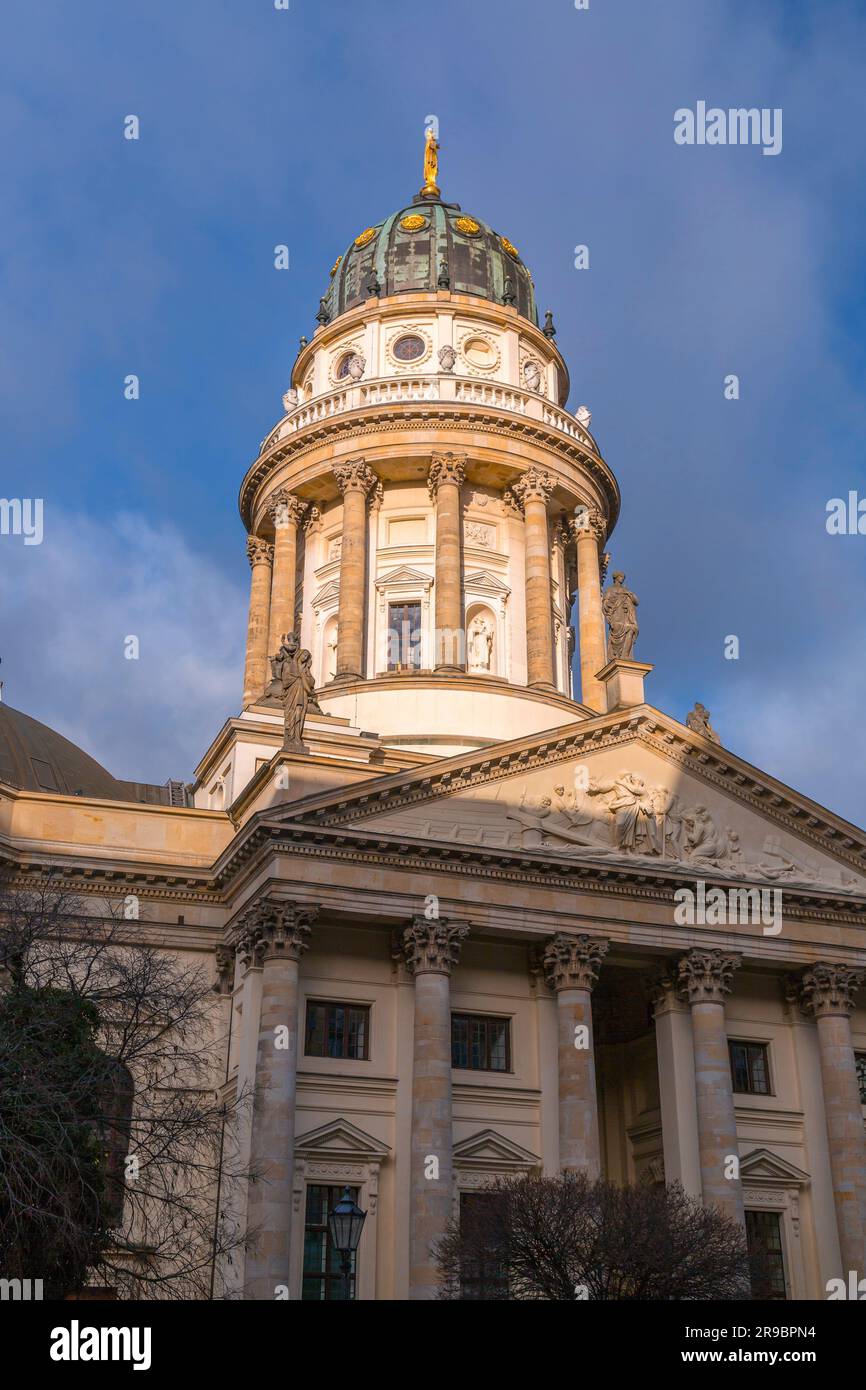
x,y
431,165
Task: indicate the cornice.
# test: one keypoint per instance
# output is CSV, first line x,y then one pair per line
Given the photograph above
x,y
406,415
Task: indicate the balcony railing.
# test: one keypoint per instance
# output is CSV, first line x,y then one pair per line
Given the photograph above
x,y
435,389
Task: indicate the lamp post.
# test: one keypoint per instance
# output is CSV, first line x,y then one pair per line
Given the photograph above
x,y
345,1224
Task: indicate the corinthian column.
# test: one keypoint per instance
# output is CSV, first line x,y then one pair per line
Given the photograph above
x,y
355,480
286,511
571,965
705,978
431,949
589,533
532,489
827,993
444,480
277,934
261,554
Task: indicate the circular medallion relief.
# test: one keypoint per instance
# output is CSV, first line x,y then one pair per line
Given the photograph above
x,y
335,266
467,225
366,236
408,348
510,247
480,353
413,223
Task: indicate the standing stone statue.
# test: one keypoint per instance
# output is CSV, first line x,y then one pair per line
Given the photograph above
x,y
698,720
619,605
294,686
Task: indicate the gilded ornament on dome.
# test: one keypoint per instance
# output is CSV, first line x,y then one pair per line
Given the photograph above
x,y
413,223
335,267
510,247
366,236
467,225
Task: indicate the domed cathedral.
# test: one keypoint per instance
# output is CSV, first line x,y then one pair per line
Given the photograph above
x,y
415,515
502,923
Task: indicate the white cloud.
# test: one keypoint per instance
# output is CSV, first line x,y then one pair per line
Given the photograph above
x,y
70,603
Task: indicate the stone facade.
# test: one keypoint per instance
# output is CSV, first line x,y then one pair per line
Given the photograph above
x,y
473,837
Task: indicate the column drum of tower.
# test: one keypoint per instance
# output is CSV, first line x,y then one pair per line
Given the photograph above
x,y
445,479
355,481
286,512
533,488
260,553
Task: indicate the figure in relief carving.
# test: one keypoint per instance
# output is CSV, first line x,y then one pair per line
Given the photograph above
x,y
583,416
619,606
290,400
698,720
480,644
356,366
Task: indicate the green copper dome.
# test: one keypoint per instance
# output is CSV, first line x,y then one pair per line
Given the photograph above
x,y
429,245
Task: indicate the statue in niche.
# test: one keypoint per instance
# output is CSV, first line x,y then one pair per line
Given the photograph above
x,y
332,654
294,686
698,720
480,644
619,606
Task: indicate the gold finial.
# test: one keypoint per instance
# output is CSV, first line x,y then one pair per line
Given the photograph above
x,y
431,165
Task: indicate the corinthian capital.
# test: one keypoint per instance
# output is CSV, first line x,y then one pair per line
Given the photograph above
x,y
259,552
533,486
588,521
271,929
432,945
706,976
824,989
354,476
285,509
573,962
446,468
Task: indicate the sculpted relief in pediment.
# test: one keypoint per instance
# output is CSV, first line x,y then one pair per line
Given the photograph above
x,y
646,814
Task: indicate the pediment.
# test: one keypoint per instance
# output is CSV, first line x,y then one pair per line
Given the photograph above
x,y
762,1166
329,593
636,791
487,1149
340,1139
482,581
404,574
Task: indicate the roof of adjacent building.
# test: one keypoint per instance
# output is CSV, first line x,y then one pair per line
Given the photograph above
x,y
429,245
34,757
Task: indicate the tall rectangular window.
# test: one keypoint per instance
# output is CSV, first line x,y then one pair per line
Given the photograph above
x,y
750,1072
764,1240
479,1043
482,1269
337,1030
323,1278
404,636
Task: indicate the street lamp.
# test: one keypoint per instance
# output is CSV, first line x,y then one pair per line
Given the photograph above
x,y
345,1223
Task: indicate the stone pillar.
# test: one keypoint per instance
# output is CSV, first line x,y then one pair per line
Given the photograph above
x,y
827,993
444,481
677,1102
589,532
430,949
261,554
355,480
704,978
286,511
571,965
278,935
532,489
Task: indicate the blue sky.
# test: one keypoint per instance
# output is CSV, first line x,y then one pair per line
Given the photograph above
x,y
261,127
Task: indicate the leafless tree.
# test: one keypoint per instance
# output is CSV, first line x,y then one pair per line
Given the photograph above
x,y
118,1156
567,1238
